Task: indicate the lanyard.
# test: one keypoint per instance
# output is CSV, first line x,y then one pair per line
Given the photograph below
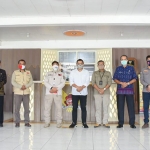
x,y
102,75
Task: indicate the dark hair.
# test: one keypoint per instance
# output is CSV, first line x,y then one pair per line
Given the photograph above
x,y
79,60
21,60
55,62
100,61
124,56
147,57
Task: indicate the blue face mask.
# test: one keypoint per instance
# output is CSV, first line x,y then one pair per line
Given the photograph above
x,y
124,62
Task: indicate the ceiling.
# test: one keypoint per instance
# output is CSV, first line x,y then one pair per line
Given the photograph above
x,y
24,8
46,33
16,17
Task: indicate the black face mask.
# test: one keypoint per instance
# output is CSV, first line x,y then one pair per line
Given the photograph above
x,y
148,62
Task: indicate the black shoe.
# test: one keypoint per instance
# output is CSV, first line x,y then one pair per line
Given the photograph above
x,y
72,125
119,126
17,125
1,125
85,125
27,125
132,126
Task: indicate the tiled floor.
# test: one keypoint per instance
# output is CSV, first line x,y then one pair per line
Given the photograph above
x,y
52,138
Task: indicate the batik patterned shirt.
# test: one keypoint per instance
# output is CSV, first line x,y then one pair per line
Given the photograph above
x,y
125,75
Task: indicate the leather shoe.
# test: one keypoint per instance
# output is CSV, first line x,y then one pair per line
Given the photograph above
x,y
1,125
133,126
27,125
17,125
119,126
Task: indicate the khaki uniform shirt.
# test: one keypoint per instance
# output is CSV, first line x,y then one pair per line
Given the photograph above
x,y
54,79
105,77
19,79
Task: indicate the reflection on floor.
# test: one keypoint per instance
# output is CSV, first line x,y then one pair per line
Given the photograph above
x,y
8,115
52,138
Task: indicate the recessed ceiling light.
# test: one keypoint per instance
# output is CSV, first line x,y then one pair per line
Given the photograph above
x,y
28,35
74,33
121,34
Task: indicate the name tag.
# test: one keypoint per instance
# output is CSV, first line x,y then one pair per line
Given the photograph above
x,y
100,82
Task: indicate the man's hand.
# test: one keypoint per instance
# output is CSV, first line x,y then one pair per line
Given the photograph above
x,y
54,90
79,88
124,84
148,88
23,87
101,91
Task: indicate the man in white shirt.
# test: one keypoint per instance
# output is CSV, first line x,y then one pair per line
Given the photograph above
x,y
79,80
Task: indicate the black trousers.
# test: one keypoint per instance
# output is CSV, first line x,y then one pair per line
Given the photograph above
x,y
1,109
130,104
75,100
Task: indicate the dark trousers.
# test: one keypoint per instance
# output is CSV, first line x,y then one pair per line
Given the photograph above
x,y
120,106
146,100
1,109
75,100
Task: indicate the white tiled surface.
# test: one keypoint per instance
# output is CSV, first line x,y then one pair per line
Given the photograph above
x,y
52,138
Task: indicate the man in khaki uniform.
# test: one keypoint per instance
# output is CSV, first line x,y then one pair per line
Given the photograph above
x,y
21,81
54,82
101,81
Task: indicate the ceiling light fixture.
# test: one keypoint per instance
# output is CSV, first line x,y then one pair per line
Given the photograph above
x,y
28,35
74,33
121,34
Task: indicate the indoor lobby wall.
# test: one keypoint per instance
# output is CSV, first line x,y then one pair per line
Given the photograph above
x,y
138,53
9,59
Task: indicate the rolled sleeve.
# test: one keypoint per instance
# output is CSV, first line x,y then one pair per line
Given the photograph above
x,y
87,81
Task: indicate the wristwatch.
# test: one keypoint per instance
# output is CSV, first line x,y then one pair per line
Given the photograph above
x,y
104,89
128,83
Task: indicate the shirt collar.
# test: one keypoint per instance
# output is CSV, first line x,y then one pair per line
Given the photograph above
x,y
24,70
55,71
125,67
80,71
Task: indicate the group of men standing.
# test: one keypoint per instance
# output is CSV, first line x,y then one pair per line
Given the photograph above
x,y
79,79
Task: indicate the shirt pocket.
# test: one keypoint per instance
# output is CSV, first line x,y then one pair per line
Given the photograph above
x,y
18,78
28,78
97,79
50,79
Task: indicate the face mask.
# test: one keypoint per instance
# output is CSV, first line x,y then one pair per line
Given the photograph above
x,y
148,62
101,67
79,66
124,62
55,67
21,67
